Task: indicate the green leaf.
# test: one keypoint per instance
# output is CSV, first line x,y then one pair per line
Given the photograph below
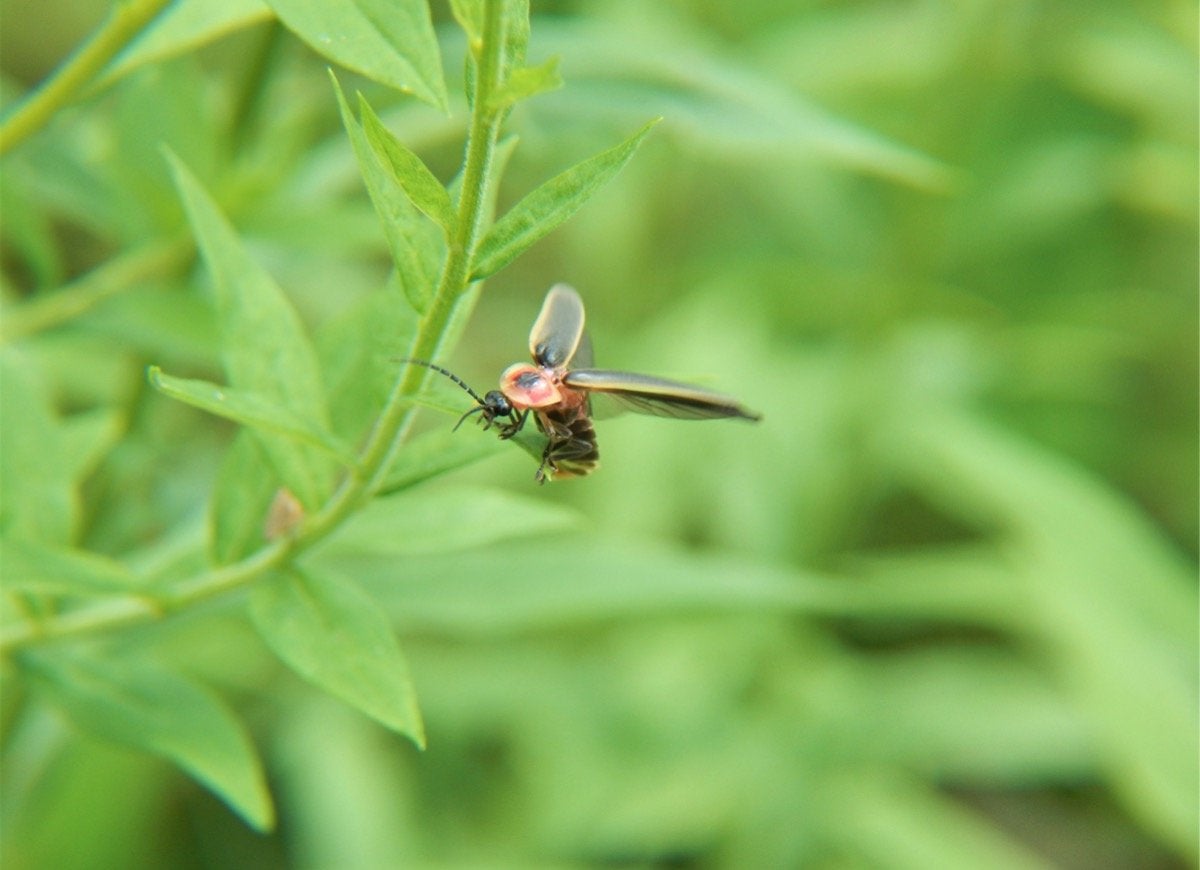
x,y
1011,723
38,500
334,635
246,485
720,105
33,567
183,27
469,15
549,205
390,41
960,585
436,453
166,110
897,821
440,520
514,18
408,170
1110,598
408,27
89,436
264,344
151,708
249,409
366,822
525,82
29,232
541,581
417,246
359,352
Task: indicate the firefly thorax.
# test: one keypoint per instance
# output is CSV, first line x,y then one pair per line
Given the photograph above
x,y
527,386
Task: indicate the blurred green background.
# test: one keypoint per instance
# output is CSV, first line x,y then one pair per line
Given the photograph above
x,y
937,610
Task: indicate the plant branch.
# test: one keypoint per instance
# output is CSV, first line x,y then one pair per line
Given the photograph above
x,y
387,434
123,23
481,147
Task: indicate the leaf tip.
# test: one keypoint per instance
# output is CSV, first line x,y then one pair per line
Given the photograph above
x,y
174,162
416,732
185,182
262,817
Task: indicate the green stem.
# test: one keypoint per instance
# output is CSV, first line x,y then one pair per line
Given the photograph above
x,y
126,610
481,147
390,427
124,22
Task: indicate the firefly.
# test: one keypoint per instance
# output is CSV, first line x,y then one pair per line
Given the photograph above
x,y
556,389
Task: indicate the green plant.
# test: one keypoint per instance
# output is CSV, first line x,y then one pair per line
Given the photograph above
x,y
941,596
330,631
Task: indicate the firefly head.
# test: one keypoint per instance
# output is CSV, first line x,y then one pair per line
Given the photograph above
x,y
492,405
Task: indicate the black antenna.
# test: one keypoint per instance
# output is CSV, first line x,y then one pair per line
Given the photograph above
x,y
488,410
451,375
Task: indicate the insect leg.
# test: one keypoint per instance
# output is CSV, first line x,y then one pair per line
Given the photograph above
x,y
570,450
540,474
511,428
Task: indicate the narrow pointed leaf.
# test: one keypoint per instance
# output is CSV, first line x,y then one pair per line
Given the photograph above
x,y
246,484
469,15
250,409
417,246
408,27
265,347
549,205
560,581
409,171
182,27
359,350
514,18
1115,601
525,82
151,708
389,41
724,107
334,635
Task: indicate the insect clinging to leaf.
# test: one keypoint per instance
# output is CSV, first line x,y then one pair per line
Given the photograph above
x,y
557,387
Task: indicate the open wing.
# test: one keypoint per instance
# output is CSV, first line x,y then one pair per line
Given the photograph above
x,y
658,396
558,331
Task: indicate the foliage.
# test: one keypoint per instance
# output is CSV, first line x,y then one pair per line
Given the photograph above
x,y
937,609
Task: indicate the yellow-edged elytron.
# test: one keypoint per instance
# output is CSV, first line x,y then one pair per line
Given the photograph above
x,y
556,387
